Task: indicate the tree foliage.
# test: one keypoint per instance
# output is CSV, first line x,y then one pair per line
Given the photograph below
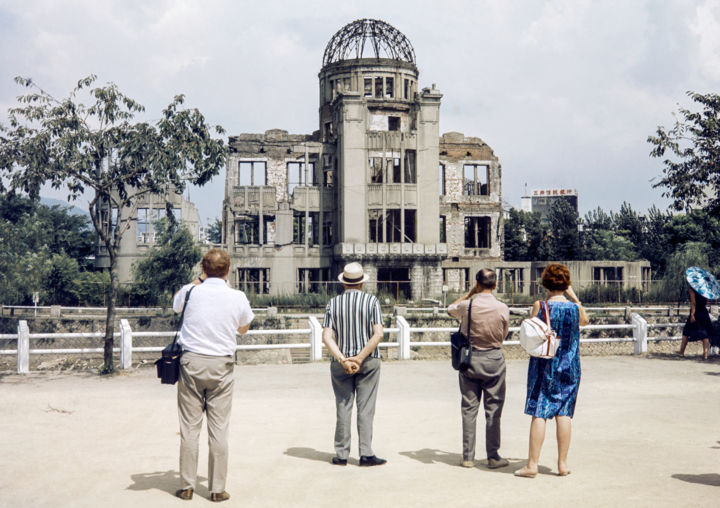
x,y
42,249
215,231
565,239
167,266
99,147
690,153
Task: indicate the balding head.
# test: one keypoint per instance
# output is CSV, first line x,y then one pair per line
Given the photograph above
x,y
216,263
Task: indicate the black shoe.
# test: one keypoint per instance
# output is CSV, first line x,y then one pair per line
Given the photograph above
x,y
185,494
371,461
339,462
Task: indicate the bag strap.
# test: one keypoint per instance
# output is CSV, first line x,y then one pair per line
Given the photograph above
x,y
546,311
468,320
182,314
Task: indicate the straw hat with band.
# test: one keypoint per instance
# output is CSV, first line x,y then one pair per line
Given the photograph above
x,y
353,274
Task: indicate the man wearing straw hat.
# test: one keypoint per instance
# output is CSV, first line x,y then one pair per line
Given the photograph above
x,y
352,331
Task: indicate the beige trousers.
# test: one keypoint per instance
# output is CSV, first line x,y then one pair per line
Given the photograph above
x,y
205,385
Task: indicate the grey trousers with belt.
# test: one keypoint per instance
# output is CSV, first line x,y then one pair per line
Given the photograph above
x,y
484,379
363,386
205,385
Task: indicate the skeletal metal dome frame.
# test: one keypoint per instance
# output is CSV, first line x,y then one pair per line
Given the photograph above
x,y
352,40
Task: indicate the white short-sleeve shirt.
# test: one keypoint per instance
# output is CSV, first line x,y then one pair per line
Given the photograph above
x,y
213,315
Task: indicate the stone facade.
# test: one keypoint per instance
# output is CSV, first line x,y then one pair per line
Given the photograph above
x,y
385,188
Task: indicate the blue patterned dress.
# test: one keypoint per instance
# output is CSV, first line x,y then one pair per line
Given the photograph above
x,y
552,383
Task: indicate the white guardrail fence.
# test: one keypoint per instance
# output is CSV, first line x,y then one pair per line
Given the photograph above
x,y
402,332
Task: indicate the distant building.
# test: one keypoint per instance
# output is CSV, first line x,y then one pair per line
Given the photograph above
x,y
541,200
141,235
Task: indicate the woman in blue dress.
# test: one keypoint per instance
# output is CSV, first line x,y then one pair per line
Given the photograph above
x,y
552,383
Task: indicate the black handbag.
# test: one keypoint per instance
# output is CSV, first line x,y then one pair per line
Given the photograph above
x,y
168,366
460,348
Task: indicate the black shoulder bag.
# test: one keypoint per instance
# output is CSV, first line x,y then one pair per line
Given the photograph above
x,y
460,348
168,366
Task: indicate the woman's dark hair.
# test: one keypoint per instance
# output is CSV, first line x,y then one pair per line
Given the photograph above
x,y
556,277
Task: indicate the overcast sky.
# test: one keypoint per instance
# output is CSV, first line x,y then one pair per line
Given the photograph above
x,y
565,92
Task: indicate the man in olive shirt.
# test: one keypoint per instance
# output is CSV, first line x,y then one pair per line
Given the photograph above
x,y
485,377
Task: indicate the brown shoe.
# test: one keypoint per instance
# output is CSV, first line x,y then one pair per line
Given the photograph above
x,y
219,496
185,494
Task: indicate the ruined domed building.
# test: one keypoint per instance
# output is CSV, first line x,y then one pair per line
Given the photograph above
x,y
377,183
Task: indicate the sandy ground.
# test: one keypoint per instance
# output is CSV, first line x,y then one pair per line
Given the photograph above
x,y
646,433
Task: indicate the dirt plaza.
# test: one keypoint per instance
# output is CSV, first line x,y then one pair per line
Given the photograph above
x,y
646,433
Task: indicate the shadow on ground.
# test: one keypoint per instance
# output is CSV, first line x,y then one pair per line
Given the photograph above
x,y
311,454
432,456
713,360
168,481
712,479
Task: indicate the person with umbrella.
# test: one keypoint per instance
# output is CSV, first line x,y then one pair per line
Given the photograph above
x,y
703,287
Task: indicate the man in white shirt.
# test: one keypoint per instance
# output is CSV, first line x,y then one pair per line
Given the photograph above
x,y
214,314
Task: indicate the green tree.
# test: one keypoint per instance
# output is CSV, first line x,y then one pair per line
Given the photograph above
x,y
515,245
60,284
690,151
215,231
167,266
689,254
101,148
38,244
564,230
654,247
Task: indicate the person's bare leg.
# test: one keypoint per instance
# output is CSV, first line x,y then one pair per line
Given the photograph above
x,y
537,436
706,347
683,344
564,430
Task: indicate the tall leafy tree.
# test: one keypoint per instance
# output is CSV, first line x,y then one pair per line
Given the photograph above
x,y
215,231
168,265
515,245
564,230
690,153
100,147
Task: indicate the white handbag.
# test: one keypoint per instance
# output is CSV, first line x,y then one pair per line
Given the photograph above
x,y
537,336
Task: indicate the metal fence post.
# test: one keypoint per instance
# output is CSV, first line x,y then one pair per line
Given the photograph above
x,y
23,348
403,338
125,344
315,339
640,327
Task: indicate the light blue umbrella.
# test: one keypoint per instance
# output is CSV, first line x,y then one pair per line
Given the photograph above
x,y
703,282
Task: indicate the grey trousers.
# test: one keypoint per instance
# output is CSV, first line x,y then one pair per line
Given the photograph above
x,y
205,385
364,384
485,378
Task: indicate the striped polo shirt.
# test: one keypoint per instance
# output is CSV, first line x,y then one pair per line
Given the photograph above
x,y
352,315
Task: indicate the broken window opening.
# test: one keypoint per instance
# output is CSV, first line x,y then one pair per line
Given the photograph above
x,y
296,175
312,280
247,229
301,228
254,280
391,225
410,167
608,275
477,232
389,88
443,229
393,123
376,170
368,87
393,169
378,88
252,173
406,89
475,178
